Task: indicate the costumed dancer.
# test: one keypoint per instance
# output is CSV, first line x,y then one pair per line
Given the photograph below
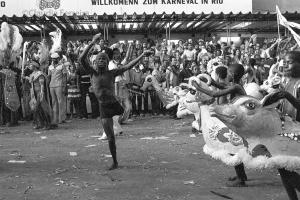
x,y
40,102
27,113
271,137
291,108
10,45
234,90
103,86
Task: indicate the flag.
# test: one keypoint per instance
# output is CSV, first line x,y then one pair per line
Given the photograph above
x,y
295,25
283,21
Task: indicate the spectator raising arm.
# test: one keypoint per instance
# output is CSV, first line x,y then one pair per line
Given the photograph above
x,y
128,66
83,58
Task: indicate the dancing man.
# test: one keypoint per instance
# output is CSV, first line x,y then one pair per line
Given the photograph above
x,y
103,86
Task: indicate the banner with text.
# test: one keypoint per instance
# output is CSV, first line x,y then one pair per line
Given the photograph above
x,y
89,7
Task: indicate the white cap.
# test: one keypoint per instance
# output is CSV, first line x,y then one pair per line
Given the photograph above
x,y
54,55
281,63
67,63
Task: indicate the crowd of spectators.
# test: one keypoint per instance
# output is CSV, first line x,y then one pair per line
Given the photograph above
x,y
69,84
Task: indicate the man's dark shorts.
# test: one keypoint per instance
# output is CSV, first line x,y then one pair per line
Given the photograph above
x,y
108,110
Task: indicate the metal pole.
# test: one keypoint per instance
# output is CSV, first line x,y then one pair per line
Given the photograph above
x,y
107,32
229,34
104,32
169,32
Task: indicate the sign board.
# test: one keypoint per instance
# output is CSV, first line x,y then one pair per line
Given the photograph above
x,y
89,7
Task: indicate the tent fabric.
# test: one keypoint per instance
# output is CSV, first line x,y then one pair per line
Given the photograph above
x,y
150,23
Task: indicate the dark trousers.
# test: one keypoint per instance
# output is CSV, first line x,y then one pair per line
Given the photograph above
x,y
7,116
136,101
155,103
146,106
240,171
173,111
291,182
84,90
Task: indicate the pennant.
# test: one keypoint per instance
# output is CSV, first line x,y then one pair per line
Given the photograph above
x,y
283,21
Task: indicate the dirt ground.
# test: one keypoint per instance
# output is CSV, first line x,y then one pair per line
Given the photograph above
x,y
158,160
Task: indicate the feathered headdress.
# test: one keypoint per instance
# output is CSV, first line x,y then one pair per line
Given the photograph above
x,y
56,39
43,52
10,43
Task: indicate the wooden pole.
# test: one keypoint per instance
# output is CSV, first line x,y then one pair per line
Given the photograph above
x,y
169,32
167,35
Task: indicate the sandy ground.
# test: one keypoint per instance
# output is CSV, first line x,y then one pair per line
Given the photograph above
x,y
158,160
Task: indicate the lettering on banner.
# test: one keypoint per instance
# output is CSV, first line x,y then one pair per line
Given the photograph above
x,y
89,7
152,2
146,2
2,4
217,1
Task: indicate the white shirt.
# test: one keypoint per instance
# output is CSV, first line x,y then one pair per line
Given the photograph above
x,y
189,54
114,65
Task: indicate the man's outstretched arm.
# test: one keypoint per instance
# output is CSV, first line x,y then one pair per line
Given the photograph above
x,y
128,66
235,89
83,58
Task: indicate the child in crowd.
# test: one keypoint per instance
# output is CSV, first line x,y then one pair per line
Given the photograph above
x,y
73,90
221,75
196,70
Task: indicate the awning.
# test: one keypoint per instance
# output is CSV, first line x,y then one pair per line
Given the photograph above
x,y
150,23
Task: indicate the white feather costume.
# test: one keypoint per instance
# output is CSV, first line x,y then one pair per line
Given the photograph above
x,y
56,37
10,43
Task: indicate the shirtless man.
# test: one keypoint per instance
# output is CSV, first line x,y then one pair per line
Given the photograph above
x,y
103,87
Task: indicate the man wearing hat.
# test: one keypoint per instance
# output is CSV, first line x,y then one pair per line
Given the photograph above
x,y
103,86
57,73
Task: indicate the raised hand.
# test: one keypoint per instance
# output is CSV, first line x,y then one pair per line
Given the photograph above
x,y
97,37
42,95
148,52
195,84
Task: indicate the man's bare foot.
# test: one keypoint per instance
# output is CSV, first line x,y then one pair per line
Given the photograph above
x,y
234,178
113,166
236,183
